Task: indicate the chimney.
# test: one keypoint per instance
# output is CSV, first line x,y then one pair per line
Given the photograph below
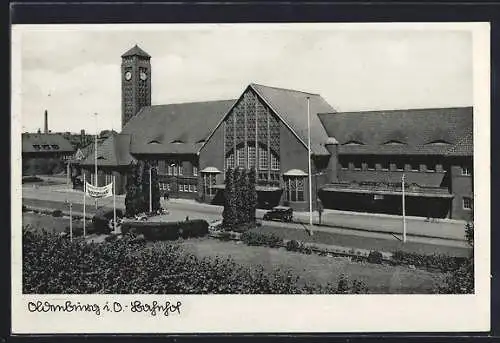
x,y
46,123
82,137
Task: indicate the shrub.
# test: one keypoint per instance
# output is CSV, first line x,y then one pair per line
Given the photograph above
x,y
375,257
306,250
78,229
293,245
52,265
102,219
57,213
225,236
193,228
469,233
440,262
343,284
261,239
460,281
359,287
161,231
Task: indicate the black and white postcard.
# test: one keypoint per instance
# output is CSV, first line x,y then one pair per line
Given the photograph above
x,y
195,178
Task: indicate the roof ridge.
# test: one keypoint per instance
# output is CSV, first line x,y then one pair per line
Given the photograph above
x,y
399,110
285,89
189,102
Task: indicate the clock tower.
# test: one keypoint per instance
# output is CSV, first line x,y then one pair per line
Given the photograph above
x,y
136,82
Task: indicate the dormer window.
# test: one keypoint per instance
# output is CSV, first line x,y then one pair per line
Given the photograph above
x,y
177,141
353,143
439,142
46,147
55,146
154,141
36,146
394,142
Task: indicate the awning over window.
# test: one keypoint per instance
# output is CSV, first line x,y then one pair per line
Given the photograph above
x,y
211,170
295,172
411,190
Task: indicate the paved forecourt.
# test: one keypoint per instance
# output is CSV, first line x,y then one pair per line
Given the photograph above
x,y
340,220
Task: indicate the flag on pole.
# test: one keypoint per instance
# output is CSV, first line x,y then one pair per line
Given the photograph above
x,y
99,192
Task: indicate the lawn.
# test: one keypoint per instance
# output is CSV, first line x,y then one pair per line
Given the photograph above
x,y
49,223
360,242
382,279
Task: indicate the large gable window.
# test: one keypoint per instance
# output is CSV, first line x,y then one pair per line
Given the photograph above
x,y
263,158
240,156
275,162
251,156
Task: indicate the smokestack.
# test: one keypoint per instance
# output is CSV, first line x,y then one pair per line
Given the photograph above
x,y
46,123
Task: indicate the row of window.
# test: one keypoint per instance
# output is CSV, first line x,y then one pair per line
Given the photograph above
x,y
173,167
46,146
399,166
182,187
248,159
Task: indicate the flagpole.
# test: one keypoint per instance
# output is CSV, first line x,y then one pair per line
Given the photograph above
x,y
70,223
309,161
114,203
150,194
404,209
95,155
84,196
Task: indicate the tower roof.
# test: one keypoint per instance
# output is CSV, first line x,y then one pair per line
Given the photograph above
x,y
136,51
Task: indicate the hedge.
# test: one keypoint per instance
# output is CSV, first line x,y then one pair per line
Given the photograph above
x,y
160,231
261,239
52,265
440,262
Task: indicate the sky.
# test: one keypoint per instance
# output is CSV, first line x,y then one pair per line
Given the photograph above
x,y
74,71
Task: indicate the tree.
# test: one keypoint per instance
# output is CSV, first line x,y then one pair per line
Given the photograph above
x,y
133,198
229,212
252,195
241,196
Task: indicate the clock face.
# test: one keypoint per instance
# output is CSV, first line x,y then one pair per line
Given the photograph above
x,y
128,75
143,75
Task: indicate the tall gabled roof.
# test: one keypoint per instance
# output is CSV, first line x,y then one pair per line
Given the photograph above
x,y
174,128
136,51
434,131
291,106
114,151
45,143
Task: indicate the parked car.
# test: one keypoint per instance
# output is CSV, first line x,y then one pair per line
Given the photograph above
x,y
279,213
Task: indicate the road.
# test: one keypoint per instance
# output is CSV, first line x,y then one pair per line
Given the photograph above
x,y
54,197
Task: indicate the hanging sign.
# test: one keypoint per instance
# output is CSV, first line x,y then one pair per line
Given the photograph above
x,y
99,192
